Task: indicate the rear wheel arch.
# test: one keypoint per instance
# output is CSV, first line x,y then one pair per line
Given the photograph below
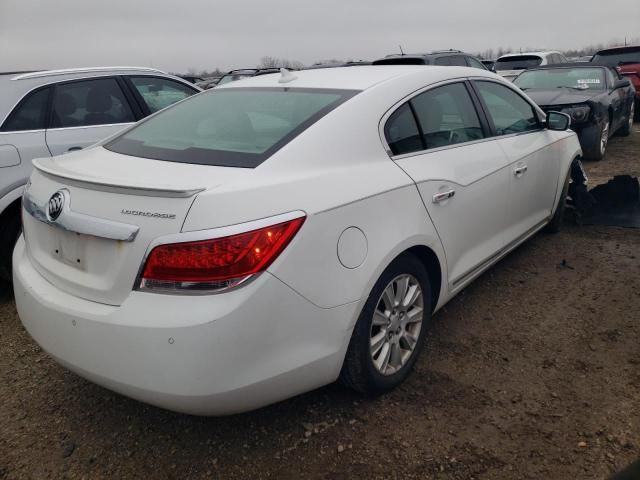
x,y
430,260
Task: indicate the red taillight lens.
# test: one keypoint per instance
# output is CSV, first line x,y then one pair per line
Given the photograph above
x,y
218,263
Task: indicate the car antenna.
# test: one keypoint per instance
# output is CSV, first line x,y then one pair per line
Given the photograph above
x,y
401,51
286,76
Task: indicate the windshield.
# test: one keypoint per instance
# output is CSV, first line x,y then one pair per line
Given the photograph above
x,y
233,127
578,78
518,62
614,59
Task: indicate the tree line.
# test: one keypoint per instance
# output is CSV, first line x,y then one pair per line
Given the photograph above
x,y
488,54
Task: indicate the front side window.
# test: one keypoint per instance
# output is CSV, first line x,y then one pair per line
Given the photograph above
x,y
509,112
447,116
159,93
89,102
231,127
574,78
29,114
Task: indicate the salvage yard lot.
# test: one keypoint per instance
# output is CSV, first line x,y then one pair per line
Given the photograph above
x,y
532,372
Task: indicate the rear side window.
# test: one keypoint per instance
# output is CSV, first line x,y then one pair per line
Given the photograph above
x,y
453,60
159,93
29,114
447,116
89,102
233,127
401,132
443,116
509,111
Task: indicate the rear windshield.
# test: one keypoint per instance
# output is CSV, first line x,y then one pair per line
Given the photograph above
x,y
519,62
400,61
231,127
576,78
616,58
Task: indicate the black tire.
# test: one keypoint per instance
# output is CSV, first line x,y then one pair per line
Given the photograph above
x,y
627,128
358,371
10,228
594,150
555,224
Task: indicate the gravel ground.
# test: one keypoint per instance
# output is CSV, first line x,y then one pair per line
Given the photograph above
x,y
531,372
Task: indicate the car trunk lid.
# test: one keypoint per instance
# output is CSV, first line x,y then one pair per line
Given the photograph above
x,y
112,207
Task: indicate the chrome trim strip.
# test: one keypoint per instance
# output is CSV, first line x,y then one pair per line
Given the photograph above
x,y
500,253
66,71
147,190
79,222
210,234
82,127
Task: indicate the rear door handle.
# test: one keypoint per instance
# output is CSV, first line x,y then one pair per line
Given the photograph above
x,y
442,196
519,171
73,149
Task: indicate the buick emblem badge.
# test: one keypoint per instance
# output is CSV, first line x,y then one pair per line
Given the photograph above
x,y
56,205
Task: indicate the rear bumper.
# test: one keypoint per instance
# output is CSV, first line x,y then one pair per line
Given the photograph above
x,y
204,355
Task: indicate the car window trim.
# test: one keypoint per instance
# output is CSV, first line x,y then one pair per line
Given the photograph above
x,y
534,108
408,100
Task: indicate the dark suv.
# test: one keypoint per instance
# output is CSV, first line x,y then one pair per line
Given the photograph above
x,y
439,57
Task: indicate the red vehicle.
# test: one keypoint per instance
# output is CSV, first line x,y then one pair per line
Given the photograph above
x,y
627,61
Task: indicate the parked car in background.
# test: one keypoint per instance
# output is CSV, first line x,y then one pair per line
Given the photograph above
x,y
599,100
240,74
354,63
439,57
216,274
511,65
192,78
53,112
627,61
488,64
208,83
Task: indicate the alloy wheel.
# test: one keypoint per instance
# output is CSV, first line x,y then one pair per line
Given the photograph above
x,y
396,325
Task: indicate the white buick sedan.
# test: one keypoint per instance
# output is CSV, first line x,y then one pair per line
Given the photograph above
x,y
269,237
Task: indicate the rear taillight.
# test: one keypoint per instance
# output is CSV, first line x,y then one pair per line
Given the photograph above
x,y
216,264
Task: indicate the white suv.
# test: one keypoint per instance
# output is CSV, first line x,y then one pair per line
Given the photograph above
x,y
53,112
511,65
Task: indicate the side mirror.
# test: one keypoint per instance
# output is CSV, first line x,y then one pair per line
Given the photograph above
x,y
622,83
558,121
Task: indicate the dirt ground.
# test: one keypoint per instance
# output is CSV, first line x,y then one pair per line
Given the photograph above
x,y
533,372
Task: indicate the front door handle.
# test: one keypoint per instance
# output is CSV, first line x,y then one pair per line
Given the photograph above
x,y
74,149
519,171
442,196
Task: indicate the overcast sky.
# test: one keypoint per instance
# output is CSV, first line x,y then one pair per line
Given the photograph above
x,y
204,34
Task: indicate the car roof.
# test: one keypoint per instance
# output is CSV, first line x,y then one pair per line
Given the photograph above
x,y
541,53
14,85
361,78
